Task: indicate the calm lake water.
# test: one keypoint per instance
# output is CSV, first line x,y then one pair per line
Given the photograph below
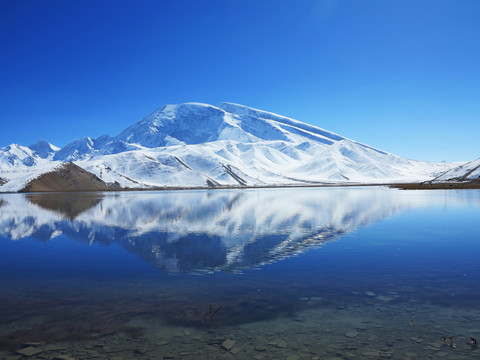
x,y
304,273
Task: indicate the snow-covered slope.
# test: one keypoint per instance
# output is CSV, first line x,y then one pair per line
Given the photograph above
x,y
465,172
20,164
43,149
195,144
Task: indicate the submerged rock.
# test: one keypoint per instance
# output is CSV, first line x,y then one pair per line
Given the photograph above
x,y
29,351
228,344
352,334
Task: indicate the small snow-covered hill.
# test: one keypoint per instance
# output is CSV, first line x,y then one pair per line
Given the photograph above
x,y
469,171
193,144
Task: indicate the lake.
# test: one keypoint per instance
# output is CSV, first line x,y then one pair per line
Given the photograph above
x,y
292,273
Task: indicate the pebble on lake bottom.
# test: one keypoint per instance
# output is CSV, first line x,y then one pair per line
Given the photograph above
x,y
352,334
228,344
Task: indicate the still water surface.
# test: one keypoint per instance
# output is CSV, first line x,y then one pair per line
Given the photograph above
x,y
306,273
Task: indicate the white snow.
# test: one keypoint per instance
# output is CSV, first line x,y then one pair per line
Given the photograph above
x,y
464,172
193,144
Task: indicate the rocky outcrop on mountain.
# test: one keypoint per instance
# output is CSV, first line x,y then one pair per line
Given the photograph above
x,y
66,177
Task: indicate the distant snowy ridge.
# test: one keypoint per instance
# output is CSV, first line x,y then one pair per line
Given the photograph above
x,y
200,145
14,156
469,171
21,164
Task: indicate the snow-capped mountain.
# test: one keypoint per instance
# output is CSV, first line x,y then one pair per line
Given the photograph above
x,y
20,156
198,145
43,149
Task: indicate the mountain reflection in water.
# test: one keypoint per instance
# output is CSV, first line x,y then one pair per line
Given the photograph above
x,y
204,231
68,276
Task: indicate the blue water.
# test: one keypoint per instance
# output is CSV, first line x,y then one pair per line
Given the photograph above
x,y
309,272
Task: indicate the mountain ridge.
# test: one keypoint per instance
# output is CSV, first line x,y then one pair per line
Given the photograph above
x,y
201,145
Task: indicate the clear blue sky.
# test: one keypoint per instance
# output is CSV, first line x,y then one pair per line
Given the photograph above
x,y
399,75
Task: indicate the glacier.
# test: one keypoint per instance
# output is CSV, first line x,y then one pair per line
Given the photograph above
x,y
199,145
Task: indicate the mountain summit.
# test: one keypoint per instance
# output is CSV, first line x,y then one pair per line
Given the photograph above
x,y
195,123
197,145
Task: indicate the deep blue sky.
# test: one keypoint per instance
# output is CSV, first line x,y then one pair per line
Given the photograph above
x,y
402,76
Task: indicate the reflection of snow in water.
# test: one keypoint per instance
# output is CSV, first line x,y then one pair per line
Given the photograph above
x,y
236,228
392,290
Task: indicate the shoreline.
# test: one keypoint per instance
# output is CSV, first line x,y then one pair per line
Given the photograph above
x,y
177,188
437,186
400,186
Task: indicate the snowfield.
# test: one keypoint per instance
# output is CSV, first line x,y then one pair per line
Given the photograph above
x,y
200,145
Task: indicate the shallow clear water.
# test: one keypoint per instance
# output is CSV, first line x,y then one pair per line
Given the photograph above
x,y
305,273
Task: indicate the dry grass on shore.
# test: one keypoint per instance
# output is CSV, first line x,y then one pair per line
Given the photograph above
x,y
438,186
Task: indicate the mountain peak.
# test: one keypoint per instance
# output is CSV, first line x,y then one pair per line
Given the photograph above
x,y
43,148
187,123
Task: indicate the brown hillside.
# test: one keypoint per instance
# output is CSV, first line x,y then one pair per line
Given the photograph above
x,y
67,177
